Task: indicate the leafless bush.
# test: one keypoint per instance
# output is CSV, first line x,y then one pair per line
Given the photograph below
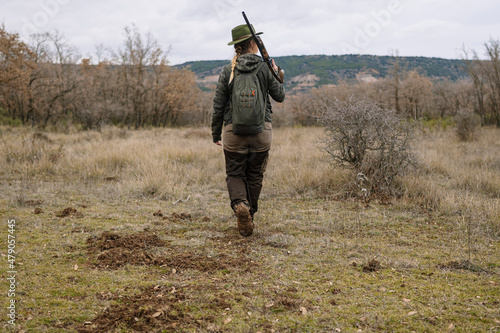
x,y
375,143
467,123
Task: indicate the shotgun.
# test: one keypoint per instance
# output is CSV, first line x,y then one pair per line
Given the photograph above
x,y
278,75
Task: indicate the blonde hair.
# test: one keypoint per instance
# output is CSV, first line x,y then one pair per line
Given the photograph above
x,y
239,48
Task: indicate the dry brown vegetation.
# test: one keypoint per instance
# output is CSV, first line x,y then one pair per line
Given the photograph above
x,y
45,83
375,143
131,231
412,94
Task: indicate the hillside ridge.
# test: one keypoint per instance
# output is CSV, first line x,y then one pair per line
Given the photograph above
x,y
307,71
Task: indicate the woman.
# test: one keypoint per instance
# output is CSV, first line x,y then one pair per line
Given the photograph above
x,y
246,156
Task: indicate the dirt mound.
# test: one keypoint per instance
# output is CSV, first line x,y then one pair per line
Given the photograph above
x,y
112,251
173,217
281,303
69,212
118,257
372,266
163,308
460,265
109,240
158,308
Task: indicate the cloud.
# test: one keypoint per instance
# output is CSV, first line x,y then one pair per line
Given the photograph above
x,y
197,29
425,28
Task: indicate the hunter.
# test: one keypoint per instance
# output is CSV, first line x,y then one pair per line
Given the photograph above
x,y
246,146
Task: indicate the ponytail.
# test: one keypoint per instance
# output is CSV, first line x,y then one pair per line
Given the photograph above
x,y
240,48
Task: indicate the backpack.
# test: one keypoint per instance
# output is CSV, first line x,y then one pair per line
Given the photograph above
x,y
248,103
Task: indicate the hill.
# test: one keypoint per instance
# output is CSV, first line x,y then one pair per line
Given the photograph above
x,y
306,72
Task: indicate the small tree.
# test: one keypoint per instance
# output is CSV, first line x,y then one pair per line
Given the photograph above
x,y
374,142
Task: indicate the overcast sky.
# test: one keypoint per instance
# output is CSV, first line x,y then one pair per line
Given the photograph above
x,y
201,29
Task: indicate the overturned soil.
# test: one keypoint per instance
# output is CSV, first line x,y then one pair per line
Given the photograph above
x,y
109,240
157,308
372,266
176,217
162,308
461,265
69,212
112,251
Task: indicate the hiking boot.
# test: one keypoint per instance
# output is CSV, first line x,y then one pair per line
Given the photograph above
x,y
244,218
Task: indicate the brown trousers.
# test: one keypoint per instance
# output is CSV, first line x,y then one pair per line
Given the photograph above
x,y
246,161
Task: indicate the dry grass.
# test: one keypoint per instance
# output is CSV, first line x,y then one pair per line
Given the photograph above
x,y
164,164
460,178
426,262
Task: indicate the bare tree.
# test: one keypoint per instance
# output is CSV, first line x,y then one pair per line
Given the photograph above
x,y
54,83
136,87
177,95
491,70
372,141
395,73
140,53
485,75
448,97
416,91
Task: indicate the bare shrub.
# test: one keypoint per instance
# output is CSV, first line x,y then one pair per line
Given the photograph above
x,y
467,124
374,142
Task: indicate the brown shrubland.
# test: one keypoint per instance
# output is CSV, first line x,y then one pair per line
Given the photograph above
x,y
315,248
455,177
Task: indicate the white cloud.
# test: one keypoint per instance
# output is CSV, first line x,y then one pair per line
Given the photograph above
x,y
198,29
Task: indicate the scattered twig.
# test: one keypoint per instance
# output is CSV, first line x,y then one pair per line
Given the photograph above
x,y
182,200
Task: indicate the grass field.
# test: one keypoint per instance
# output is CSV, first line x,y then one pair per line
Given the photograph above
x,y
131,231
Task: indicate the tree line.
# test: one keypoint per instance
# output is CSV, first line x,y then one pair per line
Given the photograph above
x,y
412,94
42,85
46,83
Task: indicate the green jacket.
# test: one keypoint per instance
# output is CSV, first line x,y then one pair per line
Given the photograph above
x,y
222,110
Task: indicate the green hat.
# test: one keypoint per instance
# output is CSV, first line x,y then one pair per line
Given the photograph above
x,y
241,33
